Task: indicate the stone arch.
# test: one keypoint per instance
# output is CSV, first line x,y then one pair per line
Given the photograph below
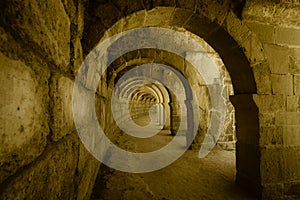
x,y
234,42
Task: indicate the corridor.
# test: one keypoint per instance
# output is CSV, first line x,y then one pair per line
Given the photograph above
x,y
189,177
150,99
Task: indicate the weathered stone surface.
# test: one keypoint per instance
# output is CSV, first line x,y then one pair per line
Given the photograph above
x,y
291,135
214,10
44,26
266,118
271,135
265,32
291,160
188,4
287,36
278,58
292,188
272,191
92,35
78,55
270,103
271,172
134,20
253,49
297,84
24,117
282,84
158,16
293,103
87,169
294,65
70,9
75,12
50,177
287,118
262,77
263,11
61,93
294,60
108,13
236,28
180,17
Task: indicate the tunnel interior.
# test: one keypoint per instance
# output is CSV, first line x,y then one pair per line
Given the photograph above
x,y
187,93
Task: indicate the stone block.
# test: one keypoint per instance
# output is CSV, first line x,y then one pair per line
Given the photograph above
x,y
92,35
270,103
282,84
70,9
44,26
266,118
294,65
61,93
287,36
278,58
180,17
292,188
108,13
287,118
291,135
51,176
135,20
297,84
88,168
80,17
271,135
271,169
265,32
78,55
237,29
23,114
188,4
293,103
262,77
75,11
272,191
158,16
253,49
214,10
246,115
291,160
102,113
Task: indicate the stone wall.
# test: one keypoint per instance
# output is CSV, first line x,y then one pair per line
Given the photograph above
x,y
41,155
279,111
43,45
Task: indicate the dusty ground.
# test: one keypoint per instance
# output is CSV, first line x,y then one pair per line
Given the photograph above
x,y
189,177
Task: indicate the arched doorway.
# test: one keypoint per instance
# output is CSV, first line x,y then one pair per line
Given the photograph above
x,y
219,35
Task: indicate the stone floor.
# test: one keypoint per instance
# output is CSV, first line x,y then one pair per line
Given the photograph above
x,y
189,177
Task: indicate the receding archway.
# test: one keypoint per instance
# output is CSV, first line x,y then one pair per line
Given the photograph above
x,y
236,62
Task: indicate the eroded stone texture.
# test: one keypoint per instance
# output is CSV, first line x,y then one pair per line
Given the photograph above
x,y
44,24
37,68
51,176
24,115
62,119
87,167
